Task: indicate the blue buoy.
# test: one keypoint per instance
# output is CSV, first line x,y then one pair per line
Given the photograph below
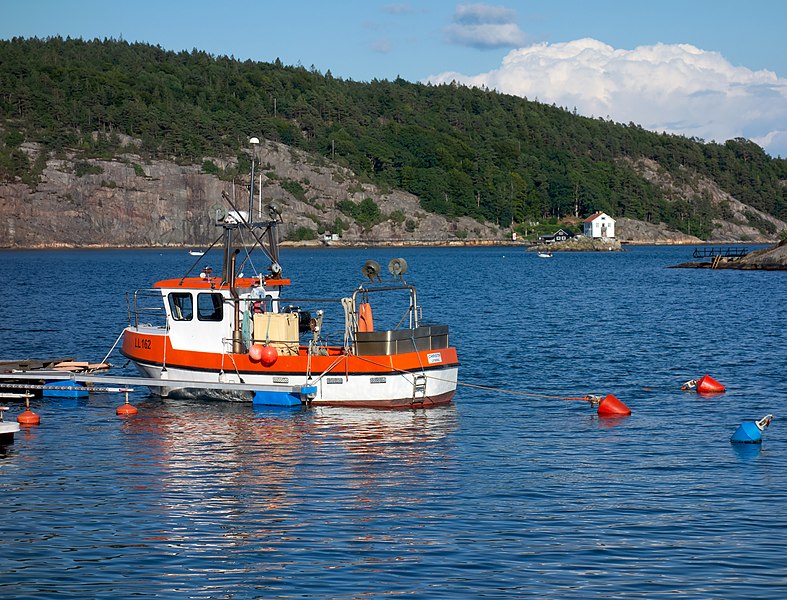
x,y
750,432
65,389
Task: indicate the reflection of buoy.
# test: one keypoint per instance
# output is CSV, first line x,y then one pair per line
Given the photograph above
x,y
268,355
126,409
750,432
708,385
610,406
255,352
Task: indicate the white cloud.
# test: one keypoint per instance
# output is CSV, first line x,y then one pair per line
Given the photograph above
x,y
485,26
675,88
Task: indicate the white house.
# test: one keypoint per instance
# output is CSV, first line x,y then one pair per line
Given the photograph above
x,y
599,225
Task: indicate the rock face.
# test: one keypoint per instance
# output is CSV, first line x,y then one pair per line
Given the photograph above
x,y
133,203
130,202
737,227
581,243
771,259
639,232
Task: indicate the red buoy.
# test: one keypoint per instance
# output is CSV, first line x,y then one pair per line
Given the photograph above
x,y
255,352
610,406
126,409
28,417
708,385
268,355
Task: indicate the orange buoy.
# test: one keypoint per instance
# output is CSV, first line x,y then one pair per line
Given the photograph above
x,y
126,409
708,385
610,406
28,417
268,355
255,352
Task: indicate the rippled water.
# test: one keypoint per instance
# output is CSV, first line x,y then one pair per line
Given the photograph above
x,y
498,495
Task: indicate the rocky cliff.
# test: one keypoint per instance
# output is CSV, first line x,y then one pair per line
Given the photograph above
x,y
772,258
131,202
737,226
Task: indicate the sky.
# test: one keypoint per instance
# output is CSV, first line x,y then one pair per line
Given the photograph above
x,y
710,69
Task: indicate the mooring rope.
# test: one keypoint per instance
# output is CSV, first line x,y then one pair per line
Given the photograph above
x,y
589,398
113,346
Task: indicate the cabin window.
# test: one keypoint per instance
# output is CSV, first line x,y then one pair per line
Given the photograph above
x,y
209,307
181,306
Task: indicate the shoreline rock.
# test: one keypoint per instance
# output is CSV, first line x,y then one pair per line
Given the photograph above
x,y
773,258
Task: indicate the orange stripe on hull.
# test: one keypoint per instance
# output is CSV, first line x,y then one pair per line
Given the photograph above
x,y
150,349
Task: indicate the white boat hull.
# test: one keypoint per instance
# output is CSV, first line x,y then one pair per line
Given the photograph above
x,y
394,390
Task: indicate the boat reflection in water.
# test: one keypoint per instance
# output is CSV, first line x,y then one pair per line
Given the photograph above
x,y
206,463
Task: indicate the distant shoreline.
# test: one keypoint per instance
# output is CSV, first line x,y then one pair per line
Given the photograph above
x,y
383,244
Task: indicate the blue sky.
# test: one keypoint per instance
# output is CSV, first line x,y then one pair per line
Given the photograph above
x,y
710,69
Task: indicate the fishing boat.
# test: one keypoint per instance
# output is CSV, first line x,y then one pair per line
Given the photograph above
x,y
547,254
229,336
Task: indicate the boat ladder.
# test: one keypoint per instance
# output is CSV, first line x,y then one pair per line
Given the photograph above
x,y
419,388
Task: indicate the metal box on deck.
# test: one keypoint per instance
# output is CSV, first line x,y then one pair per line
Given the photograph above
x,y
385,343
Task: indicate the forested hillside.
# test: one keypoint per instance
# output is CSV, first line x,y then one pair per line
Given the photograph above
x,y
464,152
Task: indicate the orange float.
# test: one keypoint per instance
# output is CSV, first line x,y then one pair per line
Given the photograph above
x,y
268,355
610,406
708,385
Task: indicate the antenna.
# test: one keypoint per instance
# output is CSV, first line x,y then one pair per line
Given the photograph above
x,y
254,143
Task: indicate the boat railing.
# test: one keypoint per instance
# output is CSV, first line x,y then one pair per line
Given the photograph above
x,y
145,308
413,310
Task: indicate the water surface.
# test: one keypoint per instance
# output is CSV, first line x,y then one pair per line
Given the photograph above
x,y
508,492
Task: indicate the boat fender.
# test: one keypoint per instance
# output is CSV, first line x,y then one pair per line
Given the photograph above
x,y
268,356
255,352
365,319
308,391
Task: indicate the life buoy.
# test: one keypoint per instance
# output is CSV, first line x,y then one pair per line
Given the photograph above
x,y
365,320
